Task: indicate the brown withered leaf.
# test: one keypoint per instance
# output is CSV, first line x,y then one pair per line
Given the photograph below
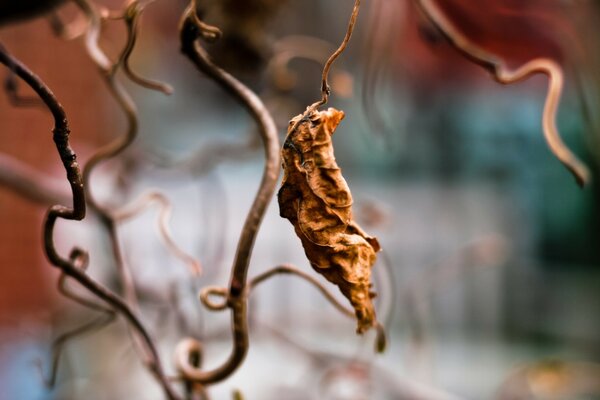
x,y
316,199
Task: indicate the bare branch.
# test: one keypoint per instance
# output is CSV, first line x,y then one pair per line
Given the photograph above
x,y
144,202
380,341
190,32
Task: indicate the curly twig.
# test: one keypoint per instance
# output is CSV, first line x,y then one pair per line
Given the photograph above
x,y
190,32
501,73
325,90
67,155
380,341
73,266
141,336
163,225
132,16
109,70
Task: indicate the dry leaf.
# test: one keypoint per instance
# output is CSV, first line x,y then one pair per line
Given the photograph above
x,y
316,199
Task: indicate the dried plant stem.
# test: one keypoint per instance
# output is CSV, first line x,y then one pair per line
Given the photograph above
x,y
73,267
380,342
325,90
163,225
190,32
108,71
132,17
501,73
291,270
140,335
61,139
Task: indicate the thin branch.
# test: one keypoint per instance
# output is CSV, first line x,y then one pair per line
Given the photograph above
x,y
501,73
108,70
165,208
291,270
73,266
380,341
325,90
190,32
132,16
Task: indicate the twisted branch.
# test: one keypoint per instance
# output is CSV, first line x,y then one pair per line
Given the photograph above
x,y
163,225
502,74
380,341
190,31
73,266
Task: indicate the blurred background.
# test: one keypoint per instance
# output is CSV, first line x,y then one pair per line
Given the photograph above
x,y
488,282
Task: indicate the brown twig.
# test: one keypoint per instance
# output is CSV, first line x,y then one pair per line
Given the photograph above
x,y
132,17
325,90
380,341
61,139
108,70
72,267
501,73
190,31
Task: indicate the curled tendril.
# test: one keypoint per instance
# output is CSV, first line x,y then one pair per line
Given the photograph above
x,y
325,90
74,266
146,201
132,16
501,73
380,341
213,291
141,337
